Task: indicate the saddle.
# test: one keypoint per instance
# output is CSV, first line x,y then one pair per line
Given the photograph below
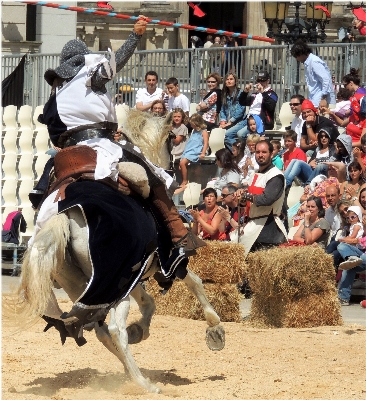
x,y
76,163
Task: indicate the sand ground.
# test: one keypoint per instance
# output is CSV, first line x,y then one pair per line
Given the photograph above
x,y
326,363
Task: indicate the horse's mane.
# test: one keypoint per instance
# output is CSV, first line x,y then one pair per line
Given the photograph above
x,y
149,133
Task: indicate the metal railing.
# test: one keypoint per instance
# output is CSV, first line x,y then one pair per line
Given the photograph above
x,y
191,66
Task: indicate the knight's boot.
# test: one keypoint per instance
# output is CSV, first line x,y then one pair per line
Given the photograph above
x,y
184,241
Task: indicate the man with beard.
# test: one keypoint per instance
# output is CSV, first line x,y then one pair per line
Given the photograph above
x,y
264,198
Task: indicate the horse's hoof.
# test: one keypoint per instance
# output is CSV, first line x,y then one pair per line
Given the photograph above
x,y
215,337
135,334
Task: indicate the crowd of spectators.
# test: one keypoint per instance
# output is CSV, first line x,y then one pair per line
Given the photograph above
x,y
323,150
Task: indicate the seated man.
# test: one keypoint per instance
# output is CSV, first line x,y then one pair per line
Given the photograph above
x,y
146,96
312,125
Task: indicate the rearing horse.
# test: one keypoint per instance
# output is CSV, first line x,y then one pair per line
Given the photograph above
x,y
63,252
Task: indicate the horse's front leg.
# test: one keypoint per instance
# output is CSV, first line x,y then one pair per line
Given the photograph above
x,y
116,340
215,334
140,330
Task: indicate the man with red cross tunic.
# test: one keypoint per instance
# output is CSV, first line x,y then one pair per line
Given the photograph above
x,y
264,198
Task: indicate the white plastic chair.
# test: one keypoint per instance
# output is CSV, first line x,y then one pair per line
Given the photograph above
x,y
37,111
25,117
285,117
39,164
25,142
25,188
9,193
28,214
41,141
121,111
216,141
192,108
10,118
9,141
9,165
25,167
191,194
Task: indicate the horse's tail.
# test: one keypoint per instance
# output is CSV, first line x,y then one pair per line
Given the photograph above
x,y
39,268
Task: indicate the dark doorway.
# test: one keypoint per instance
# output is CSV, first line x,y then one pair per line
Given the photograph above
x,y
219,15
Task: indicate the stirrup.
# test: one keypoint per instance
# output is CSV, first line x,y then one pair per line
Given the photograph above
x,y
189,243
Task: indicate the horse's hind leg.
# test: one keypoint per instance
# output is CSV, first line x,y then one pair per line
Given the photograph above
x,y
140,329
116,341
215,334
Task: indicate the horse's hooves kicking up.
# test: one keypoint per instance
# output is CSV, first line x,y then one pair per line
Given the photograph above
x,y
135,334
215,337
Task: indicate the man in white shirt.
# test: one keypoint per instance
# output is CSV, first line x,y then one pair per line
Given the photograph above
x,y
332,195
297,122
146,96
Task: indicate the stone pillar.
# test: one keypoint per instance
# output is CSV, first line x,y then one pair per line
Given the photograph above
x,y
255,23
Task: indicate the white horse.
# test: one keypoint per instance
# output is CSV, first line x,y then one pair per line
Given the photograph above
x,y
60,255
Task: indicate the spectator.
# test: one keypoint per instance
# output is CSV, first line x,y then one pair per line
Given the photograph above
x,y
196,42
355,229
254,126
210,106
176,99
297,123
216,56
355,262
292,152
196,146
312,125
229,210
332,196
230,173
316,228
238,153
262,102
206,58
344,152
323,108
249,165
342,107
276,158
232,114
230,56
306,172
207,221
158,108
179,133
351,188
145,96
356,123
317,74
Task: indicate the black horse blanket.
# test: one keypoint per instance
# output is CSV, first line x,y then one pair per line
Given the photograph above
x,y
122,235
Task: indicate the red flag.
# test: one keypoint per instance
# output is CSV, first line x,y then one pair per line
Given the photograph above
x,y
196,10
360,14
105,5
325,10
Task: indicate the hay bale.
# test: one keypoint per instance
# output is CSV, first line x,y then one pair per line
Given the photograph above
x,y
291,271
293,287
219,262
180,302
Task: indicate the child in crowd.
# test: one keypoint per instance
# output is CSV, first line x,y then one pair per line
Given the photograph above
x,y
238,152
255,126
249,164
196,146
323,108
276,158
179,133
158,108
355,227
292,152
176,99
342,108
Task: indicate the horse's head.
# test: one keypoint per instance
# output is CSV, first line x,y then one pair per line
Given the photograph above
x,y
149,133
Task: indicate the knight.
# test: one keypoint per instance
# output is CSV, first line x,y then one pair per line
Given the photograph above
x,y
81,120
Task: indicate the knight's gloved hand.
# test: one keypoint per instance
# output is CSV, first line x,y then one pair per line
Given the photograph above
x,y
247,197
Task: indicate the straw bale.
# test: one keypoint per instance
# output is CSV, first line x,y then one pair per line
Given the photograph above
x,y
180,302
307,312
219,262
291,272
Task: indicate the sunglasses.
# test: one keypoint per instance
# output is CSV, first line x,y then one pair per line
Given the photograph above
x,y
352,217
225,195
294,104
211,81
